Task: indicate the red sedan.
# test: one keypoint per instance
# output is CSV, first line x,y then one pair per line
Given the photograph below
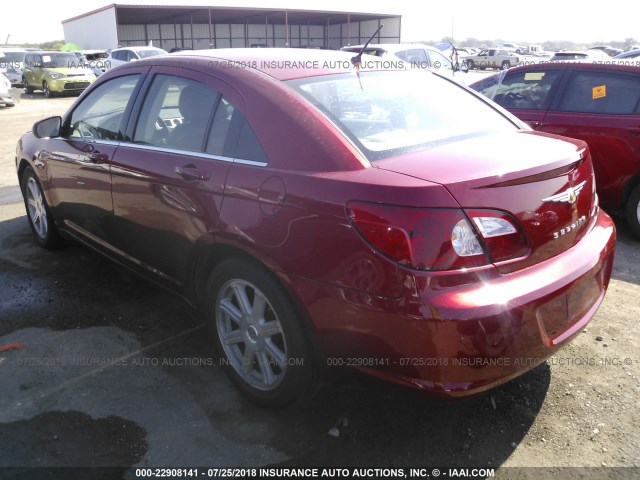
x,y
595,102
326,214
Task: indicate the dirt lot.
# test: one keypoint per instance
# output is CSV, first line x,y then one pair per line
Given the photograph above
x,y
106,374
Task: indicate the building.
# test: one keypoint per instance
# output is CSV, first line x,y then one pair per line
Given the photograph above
x,y
198,27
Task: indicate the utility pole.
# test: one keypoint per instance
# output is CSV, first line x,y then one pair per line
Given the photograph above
x,y
6,42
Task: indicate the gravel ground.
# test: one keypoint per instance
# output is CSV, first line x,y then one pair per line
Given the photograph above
x,y
117,384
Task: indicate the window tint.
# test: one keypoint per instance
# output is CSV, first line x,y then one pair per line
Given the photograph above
x,y
415,56
601,92
176,113
232,136
99,116
439,61
249,147
527,89
218,143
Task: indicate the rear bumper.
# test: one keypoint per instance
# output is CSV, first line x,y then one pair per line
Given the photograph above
x,y
462,334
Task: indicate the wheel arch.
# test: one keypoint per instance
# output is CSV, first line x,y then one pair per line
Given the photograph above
x,y
628,189
211,253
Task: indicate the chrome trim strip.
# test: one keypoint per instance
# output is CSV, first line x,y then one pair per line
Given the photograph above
x,y
208,156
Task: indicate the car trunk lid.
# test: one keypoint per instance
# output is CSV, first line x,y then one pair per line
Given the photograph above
x,y
543,181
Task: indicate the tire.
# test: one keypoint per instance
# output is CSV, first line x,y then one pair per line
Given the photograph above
x,y
506,65
47,92
38,212
470,64
27,87
632,211
266,354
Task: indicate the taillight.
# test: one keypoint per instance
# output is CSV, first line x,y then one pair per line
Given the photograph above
x,y
438,238
502,238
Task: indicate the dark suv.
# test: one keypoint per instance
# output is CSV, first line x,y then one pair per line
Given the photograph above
x,y
597,103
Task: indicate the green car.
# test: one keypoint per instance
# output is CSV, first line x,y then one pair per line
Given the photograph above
x,y
55,72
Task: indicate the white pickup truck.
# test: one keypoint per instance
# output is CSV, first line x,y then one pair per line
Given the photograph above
x,y
492,58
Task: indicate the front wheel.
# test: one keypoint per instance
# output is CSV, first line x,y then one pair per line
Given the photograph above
x,y
47,91
259,334
633,212
27,88
38,212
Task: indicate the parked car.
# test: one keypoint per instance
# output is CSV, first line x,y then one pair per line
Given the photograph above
x,y
94,60
320,213
628,55
11,62
55,73
5,94
120,56
415,54
492,58
578,56
597,103
512,48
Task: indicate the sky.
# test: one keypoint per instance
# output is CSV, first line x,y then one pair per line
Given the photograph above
x,y
524,22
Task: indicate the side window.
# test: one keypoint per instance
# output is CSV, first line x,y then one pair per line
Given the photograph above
x,y
439,61
415,56
176,113
602,92
220,142
232,136
131,55
99,116
249,147
526,90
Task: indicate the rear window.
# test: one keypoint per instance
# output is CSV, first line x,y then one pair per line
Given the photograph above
x,y
391,112
602,92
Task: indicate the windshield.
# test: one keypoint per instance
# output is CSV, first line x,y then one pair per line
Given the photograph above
x,y
60,60
13,56
149,53
388,113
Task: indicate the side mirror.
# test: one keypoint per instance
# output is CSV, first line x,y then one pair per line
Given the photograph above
x,y
49,127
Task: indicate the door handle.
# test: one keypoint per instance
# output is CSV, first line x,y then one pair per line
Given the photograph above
x,y
533,123
98,157
190,172
634,130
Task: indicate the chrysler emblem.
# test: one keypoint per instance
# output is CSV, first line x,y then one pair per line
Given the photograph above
x,y
570,195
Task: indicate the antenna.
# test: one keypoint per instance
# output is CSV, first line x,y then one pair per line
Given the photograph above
x,y
357,60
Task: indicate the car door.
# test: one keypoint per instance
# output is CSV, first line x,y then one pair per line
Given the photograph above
x,y
526,93
168,180
78,162
602,108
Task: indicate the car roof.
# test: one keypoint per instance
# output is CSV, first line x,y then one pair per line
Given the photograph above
x,y
302,62
136,48
561,65
395,47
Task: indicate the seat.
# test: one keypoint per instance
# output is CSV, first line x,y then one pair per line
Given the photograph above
x,y
195,104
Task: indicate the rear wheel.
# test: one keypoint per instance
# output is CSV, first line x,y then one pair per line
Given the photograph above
x,y
38,212
47,91
506,65
27,87
470,64
633,212
258,332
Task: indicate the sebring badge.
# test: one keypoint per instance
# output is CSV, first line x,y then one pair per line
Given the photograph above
x,y
570,195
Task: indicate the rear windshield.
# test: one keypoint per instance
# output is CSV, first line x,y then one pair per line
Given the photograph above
x,y
569,56
149,53
392,112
